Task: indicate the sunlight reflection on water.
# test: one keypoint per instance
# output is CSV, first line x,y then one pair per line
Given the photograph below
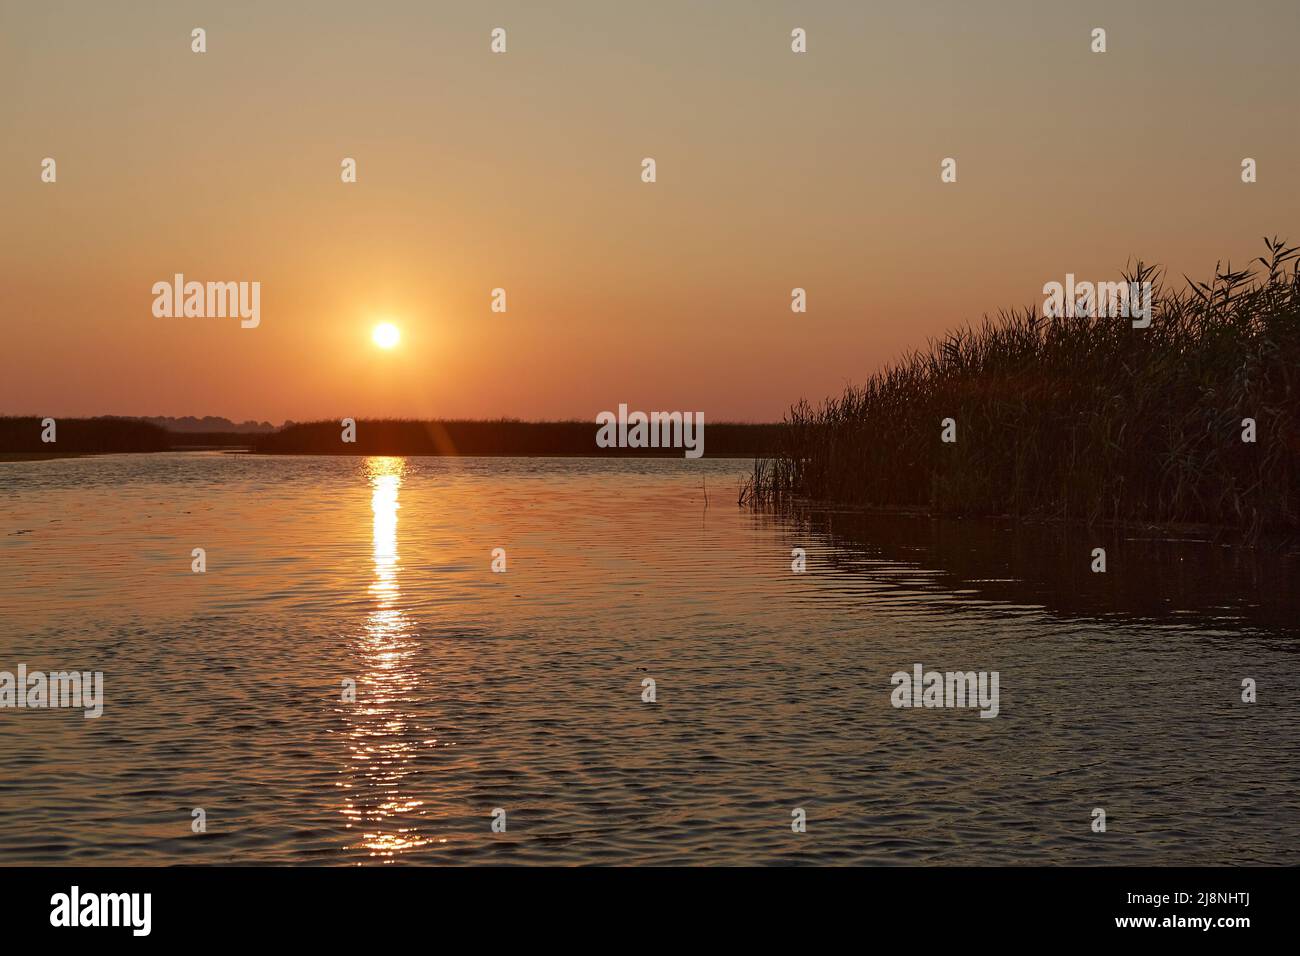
x,y
381,747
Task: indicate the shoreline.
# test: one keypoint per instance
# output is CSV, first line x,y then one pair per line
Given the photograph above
x,y
43,456
1285,542
229,450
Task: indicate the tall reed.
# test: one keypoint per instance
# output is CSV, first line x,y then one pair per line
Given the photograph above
x,y
1076,418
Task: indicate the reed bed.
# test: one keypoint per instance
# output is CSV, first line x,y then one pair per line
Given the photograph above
x,y
501,437
1075,418
104,435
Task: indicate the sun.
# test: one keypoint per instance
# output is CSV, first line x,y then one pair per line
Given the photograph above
x,y
386,335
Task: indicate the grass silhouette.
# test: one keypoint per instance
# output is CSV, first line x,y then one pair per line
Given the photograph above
x,y
20,438
22,434
1079,419
499,437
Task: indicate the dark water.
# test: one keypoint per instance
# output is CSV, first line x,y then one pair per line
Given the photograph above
x,y
523,690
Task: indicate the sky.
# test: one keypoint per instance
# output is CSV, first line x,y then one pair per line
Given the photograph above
x,y
522,171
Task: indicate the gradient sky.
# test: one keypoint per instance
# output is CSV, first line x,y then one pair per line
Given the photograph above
x,y
523,171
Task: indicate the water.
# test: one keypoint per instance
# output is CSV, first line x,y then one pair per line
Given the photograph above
x,y
523,691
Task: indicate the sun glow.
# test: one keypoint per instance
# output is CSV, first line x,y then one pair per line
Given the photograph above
x,y
386,335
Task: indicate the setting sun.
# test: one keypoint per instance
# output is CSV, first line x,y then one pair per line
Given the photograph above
x,y
386,335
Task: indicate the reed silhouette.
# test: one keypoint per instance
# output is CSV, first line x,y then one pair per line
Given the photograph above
x,y
1075,418
501,437
83,436
504,437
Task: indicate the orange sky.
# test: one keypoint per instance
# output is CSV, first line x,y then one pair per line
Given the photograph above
x,y
522,171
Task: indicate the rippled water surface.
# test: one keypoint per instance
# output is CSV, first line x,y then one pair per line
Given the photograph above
x,y
523,691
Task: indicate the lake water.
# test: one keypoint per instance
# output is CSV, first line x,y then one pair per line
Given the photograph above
x,y
523,690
